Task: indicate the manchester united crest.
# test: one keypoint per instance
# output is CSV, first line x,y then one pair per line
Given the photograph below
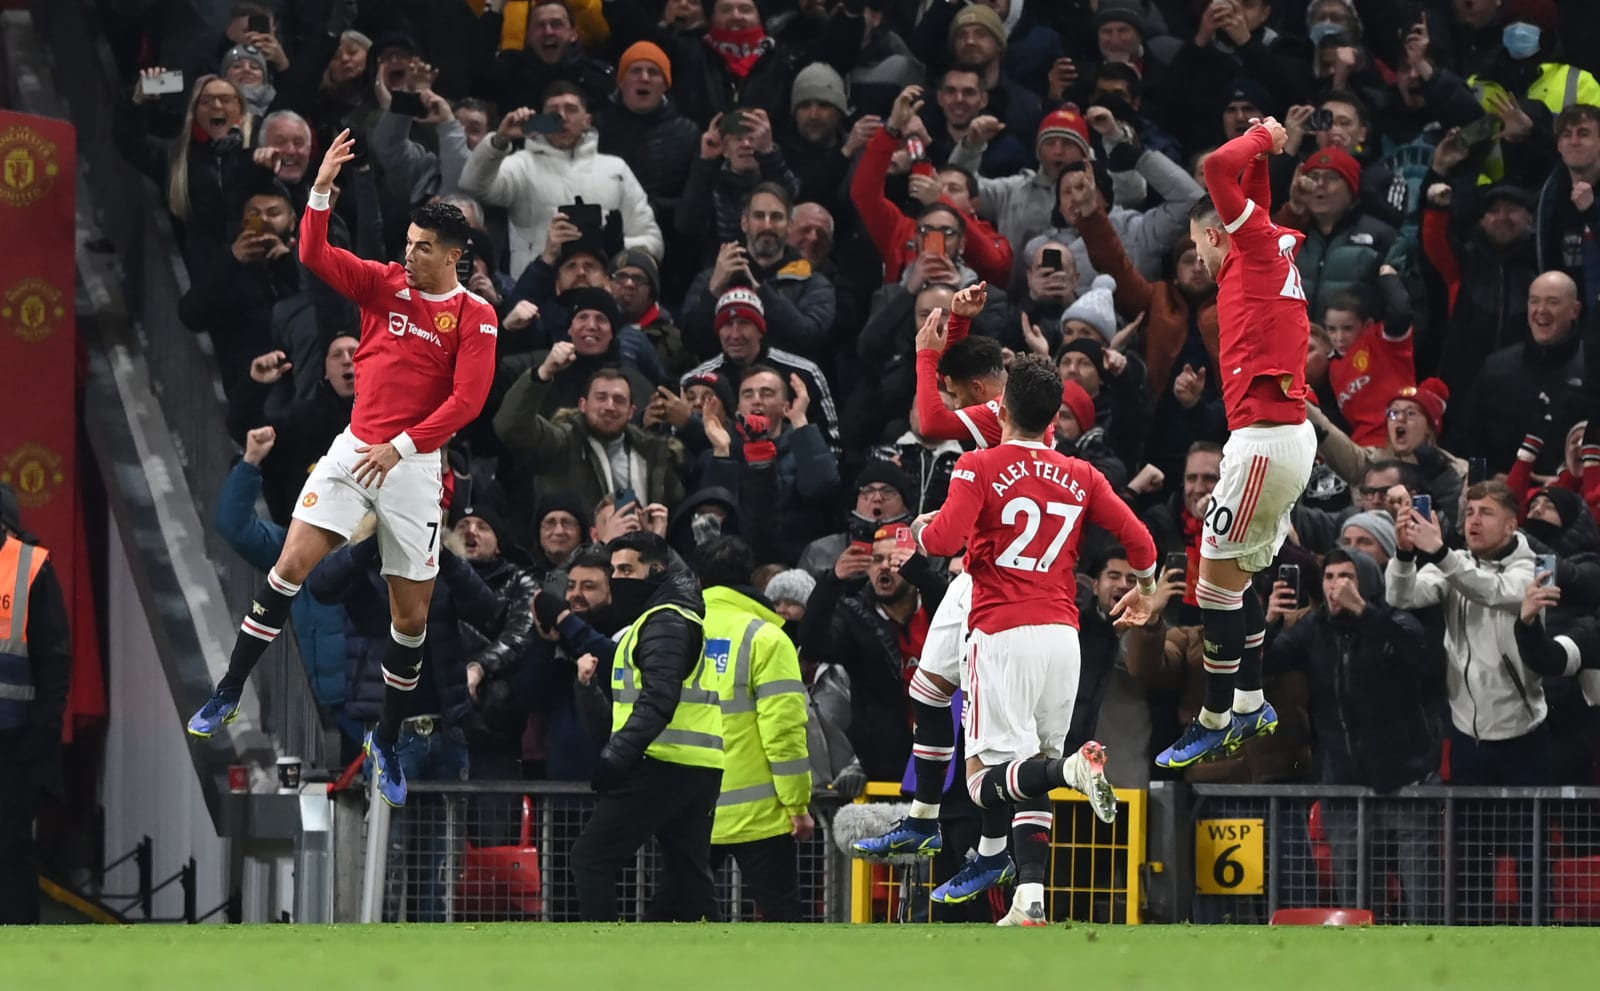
x,y
32,309
310,500
1360,360
446,322
35,472
28,166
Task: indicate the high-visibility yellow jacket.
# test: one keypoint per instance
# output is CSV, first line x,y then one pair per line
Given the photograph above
x,y
693,735
766,775
1558,87
587,18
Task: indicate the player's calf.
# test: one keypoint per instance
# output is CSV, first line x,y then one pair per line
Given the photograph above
x,y
933,742
1222,612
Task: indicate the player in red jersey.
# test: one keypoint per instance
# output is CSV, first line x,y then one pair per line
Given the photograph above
x,y
1018,508
423,370
1261,312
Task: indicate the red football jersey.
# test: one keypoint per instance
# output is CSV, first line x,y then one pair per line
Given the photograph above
x,y
1374,371
1019,509
424,364
1261,307
979,424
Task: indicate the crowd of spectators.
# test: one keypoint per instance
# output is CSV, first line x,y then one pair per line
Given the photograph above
x,y
712,230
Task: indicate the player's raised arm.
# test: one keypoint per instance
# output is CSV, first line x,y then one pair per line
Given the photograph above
x,y
934,421
946,533
1225,171
354,278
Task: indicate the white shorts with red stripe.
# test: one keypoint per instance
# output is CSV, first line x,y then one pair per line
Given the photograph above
x,y
1264,471
947,631
1020,686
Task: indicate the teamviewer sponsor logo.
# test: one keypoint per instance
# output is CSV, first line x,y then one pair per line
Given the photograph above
x,y
400,326
397,324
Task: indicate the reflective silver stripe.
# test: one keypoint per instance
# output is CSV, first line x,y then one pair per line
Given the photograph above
x,y
700,695
693,696
799,765
688,738
17,643
739,699
783,686
1572,86
17,693
753,793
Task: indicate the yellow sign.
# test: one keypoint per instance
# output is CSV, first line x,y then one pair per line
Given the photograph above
x,y
34,471
32,309
1230,856
28,167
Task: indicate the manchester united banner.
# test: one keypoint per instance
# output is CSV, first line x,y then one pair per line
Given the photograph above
x,y
39,372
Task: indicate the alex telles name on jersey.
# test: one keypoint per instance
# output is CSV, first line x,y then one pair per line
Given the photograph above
x,y
1018,470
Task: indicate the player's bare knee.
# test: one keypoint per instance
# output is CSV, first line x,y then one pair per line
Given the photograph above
x,y
1224,573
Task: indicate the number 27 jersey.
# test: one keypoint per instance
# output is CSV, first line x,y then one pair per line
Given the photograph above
x,y
1020,509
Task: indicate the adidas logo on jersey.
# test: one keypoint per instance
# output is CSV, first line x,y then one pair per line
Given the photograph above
x,y
403,294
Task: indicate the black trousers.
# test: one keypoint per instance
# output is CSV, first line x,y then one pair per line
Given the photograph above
x,y
19,870
769,874
672,802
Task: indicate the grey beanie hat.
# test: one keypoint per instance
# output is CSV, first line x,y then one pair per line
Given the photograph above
x,y
794,585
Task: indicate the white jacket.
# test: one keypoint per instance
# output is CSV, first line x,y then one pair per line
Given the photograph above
x,y
533,182
1493,695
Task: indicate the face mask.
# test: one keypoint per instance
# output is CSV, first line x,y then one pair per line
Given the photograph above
x,y
629,596
706,527
1322,31
1521,40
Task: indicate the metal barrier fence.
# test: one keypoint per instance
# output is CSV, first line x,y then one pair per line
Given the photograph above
x,y
1424,855
501,851
1095,871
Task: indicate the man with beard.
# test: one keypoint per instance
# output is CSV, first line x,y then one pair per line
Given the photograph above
x,y
560,375
1486,269
797,303
660,773
635,283
303,430
814,145
884,496
593,452
494,731
563,749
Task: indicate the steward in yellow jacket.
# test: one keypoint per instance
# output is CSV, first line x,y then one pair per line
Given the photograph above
x,y
766,777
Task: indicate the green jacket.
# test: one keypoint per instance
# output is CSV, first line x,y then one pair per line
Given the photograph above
x,y
558,454
766,777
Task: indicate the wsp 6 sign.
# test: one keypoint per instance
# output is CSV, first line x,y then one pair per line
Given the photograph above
x,y
1230,856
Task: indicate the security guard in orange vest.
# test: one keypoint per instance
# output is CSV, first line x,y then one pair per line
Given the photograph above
x,y
660,773
35,672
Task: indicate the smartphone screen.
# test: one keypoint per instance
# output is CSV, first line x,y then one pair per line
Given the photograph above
x,y
1423,504
1178,561
933,243
903,539
406,104
1544,568
258,24
1289,574
1477,470
1052,259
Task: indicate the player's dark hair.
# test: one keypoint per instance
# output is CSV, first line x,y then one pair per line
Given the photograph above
x,y
967,175
594,556
651,548
1033,393
1346,97
1353,300
1205,213
563,88
726,560
771,189
606,374
1494,491
972,358
446,221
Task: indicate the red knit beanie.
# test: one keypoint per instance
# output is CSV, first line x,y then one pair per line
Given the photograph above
x,y
1076,398
1432,396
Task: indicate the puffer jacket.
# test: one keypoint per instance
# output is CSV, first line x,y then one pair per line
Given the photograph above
x,y
1349,255
799,305
349,576
659,147
537,181
1147,236
1369,688
1525,388
667,649
500,714
1493,694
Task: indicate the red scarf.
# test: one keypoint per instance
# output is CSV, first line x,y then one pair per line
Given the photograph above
x,y
650,316
739,48
1191,547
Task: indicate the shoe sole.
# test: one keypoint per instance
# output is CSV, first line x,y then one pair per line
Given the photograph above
x,y
366,748
1234,745
921,851
1102,797
206,736
1009,920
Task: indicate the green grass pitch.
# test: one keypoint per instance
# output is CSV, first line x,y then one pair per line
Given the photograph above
x,y
715,958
